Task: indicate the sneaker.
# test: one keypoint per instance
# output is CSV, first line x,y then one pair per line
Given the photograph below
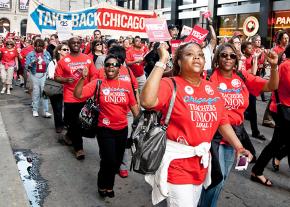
x,y
8,92
3,90
80,155
47,115
123,173
35,114
269,124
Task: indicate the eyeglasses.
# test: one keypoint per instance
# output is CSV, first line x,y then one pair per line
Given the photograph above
x,y
112,64
64,49
232,55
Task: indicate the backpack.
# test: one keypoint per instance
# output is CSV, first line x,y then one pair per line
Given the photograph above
x,y
149,139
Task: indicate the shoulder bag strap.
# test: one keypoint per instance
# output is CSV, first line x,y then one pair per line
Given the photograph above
x,y
277,97
131,82
99,82
171,103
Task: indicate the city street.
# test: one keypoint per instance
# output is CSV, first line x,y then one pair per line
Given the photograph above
x,y
73,183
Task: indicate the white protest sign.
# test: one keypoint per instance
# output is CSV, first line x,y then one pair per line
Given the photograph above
x,y
185,30
64,29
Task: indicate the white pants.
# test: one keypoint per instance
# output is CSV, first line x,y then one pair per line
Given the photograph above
x,y
6,74
186,195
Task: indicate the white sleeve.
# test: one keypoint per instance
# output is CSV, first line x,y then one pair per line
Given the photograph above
x,y
51,69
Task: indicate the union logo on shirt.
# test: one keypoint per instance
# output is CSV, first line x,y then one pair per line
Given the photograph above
x,y
106,121
67,60
236,83
209,90
223,86
189,90
106,91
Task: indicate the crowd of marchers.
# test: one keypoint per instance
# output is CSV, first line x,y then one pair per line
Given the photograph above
x,y
217,85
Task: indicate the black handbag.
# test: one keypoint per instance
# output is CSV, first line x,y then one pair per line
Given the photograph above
x,y
89,114
282,110
51,87
149,139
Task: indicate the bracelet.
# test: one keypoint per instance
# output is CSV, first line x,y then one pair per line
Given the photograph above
x,y
274,69
160,65
240,149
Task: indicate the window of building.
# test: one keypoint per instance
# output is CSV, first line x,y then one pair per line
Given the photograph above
x,y
4,25
167,3
23,25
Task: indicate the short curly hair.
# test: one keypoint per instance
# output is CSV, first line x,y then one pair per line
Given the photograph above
x,y
178,55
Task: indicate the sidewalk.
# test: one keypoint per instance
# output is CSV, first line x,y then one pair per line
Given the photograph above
x,y
12,192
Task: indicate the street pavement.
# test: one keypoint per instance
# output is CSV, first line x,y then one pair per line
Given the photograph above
x,y
73,183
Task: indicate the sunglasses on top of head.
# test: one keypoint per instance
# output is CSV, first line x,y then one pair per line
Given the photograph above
x,y
112,64
226,55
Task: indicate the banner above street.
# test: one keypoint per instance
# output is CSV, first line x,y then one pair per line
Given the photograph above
x,y
111,20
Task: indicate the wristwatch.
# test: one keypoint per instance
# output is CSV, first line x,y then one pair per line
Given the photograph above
x,y
160,64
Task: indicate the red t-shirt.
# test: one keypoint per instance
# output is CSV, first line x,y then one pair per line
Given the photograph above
x,y
87,48
278,49
116,98
236,92
196,115
24,53
71,67
248,63
8,56
284,86
132,55
123,75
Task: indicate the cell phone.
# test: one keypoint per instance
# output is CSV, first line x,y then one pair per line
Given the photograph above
x,y
242,163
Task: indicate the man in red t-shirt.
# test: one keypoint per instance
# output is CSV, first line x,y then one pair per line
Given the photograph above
x,y
97,36
22,56
134,60
68,72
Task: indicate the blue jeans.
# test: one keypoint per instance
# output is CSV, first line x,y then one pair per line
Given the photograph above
x,y
209,198
38,81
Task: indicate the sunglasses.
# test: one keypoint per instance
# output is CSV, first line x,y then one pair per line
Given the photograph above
x,y
98,44
112,64
232,55
65,49
9,44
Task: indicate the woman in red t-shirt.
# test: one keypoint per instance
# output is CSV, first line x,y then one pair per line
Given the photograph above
x,y
197,113
9,62
280,143
235,87
116,99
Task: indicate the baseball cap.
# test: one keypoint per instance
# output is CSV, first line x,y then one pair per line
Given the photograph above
x,y
172,26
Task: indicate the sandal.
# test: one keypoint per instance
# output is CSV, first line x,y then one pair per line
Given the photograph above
x,y
102,193
274,165
255,178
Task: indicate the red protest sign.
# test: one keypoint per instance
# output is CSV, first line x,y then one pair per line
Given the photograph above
x,y
197,35
156,30
206,14
174,45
